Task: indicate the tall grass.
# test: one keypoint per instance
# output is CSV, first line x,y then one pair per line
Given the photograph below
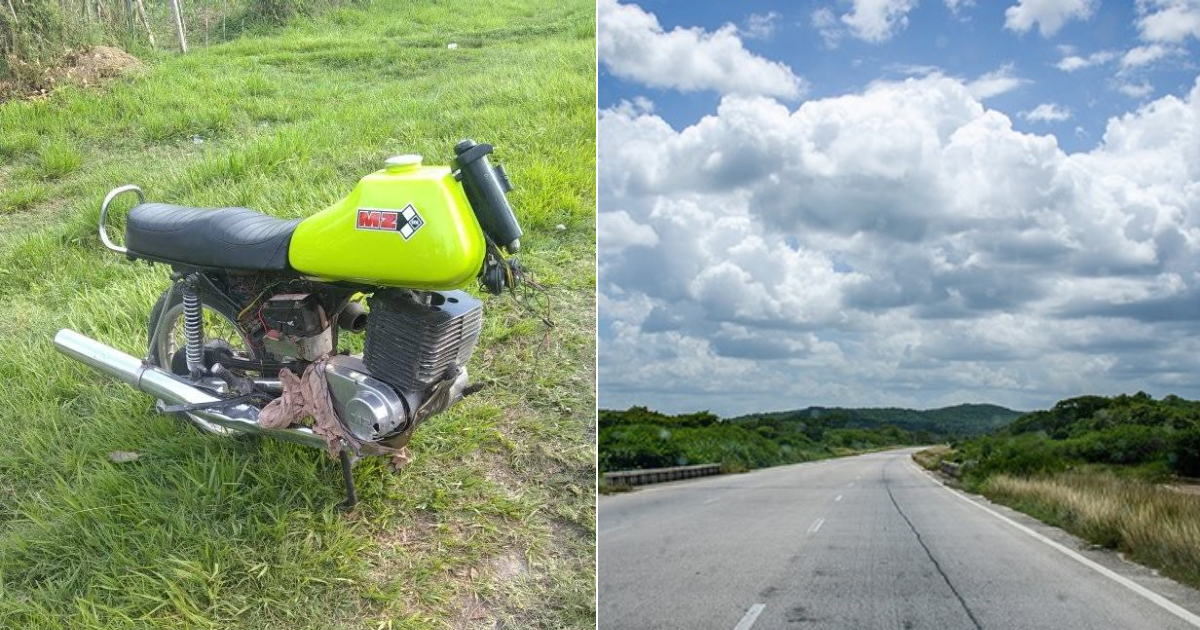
x,y
1154,525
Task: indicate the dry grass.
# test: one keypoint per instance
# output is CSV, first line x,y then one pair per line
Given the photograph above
x,y
1155,526
931,458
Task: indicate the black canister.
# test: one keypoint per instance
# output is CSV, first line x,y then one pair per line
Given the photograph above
x,y
485,187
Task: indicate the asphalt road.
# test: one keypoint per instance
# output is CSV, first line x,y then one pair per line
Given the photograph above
x,y
863,542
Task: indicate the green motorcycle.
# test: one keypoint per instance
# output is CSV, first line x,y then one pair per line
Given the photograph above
x,y
247,337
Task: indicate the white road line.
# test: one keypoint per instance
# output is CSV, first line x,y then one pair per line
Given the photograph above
x,y
816,526
749,617
839,498
850,485
712,500
1155,598
614,528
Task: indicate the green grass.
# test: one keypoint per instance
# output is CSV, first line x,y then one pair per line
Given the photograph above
x,y
21,197
58,159
492,523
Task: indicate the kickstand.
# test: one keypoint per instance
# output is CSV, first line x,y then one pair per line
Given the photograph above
x,y
348,477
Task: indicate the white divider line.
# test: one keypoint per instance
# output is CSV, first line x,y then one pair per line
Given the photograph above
x,y
839,498
1154,598
750,616
614,529
816,526
712,500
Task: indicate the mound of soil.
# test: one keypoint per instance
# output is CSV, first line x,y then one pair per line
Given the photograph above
x,y
93,66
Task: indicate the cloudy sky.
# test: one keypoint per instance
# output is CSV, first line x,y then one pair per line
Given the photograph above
x,y
897,202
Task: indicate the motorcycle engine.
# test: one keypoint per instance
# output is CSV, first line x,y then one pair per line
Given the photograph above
x,y
297,327
418,338
413,365
417,347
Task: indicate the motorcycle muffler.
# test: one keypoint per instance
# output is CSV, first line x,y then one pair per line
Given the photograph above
x,y
171,389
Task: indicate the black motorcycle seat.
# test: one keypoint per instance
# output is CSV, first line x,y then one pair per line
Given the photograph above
x,y
223,238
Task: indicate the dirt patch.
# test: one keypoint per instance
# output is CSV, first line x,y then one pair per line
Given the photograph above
x,y
474,612
86,68
509,566
93,66
387,563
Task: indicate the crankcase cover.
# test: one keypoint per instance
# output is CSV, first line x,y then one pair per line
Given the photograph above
x,y
368,407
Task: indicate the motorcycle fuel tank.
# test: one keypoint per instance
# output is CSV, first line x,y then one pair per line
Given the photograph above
x,y
407,225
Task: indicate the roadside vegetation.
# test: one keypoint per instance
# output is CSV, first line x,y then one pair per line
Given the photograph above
x,y
641,438
491,525
1115,471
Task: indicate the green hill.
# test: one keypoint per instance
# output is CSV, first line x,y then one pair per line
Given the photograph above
x,y
642,438
959,421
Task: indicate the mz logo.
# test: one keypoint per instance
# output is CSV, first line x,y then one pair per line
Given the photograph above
x,y
406,221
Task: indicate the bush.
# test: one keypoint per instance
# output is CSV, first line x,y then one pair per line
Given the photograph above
x,y
638,446
1185,454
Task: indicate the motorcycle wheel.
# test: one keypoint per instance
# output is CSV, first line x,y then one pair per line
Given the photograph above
x,y
220,328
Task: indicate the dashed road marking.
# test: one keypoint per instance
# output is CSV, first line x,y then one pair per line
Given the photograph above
x,y
839,498
816,526
750,616
614,529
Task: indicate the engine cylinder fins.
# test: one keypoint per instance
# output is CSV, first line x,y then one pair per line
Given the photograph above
x,y
414,339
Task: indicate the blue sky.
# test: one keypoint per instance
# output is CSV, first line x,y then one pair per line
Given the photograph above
x,y
969,42
897,202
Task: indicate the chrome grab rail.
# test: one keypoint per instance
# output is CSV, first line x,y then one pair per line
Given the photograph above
x,y
113,194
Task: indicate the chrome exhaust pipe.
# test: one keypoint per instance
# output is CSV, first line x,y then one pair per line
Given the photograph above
x,y
170,388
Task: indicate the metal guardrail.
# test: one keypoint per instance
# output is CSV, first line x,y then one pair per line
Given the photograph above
x,y
950,468
657,475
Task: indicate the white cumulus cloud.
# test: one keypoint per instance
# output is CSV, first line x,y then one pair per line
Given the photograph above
x,y
877,20
827,25
955,5
632,45
1169,21
900,245
617,230
1071,63
1139,56
1047,112
761,25
995,83
1136,90
1049,15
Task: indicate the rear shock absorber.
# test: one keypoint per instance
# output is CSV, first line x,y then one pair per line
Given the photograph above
x,y
193,329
